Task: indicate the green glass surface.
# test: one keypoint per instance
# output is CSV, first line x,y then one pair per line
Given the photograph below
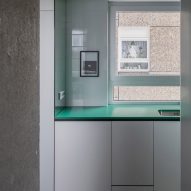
x,y
116,112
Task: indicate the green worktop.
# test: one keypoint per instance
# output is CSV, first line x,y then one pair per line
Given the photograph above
x,y
127,112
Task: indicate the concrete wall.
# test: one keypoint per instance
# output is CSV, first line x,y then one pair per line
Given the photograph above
x,y
164,37
19,95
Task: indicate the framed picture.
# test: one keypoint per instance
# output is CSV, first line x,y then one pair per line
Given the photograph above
x,y
89,63
133,49
133,55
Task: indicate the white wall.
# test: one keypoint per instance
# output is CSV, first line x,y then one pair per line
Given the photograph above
x,y
88,19
46,95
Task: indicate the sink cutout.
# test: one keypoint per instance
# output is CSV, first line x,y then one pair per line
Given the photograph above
x,y
169,112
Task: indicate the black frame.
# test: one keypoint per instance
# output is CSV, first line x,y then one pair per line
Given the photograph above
x,y
88,75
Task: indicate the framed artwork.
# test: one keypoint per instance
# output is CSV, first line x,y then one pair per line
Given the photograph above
x,y
89,63
133,49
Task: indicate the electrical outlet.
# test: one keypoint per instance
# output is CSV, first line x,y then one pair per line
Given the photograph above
x,y
61,95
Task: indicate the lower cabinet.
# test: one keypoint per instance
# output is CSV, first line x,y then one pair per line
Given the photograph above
x,y
132,188
132,153
83,156
167,167
117,156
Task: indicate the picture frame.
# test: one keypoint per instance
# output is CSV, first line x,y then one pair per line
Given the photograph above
x,y
134,49
134,55
89,63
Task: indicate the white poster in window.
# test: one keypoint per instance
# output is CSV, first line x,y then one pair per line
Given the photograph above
x,y
133,49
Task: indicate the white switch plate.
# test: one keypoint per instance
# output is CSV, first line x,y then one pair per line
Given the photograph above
x,y
61,95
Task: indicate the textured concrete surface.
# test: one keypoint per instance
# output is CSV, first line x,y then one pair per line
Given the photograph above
x,y
149,19
155,93
165,49
164,37
19,95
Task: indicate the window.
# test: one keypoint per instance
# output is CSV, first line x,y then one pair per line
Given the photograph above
x,y
144,52
146,93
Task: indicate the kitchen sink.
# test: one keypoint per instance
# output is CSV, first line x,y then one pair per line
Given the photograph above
x,y
169,112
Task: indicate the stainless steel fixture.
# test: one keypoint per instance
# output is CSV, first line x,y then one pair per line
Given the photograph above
x,y
169,112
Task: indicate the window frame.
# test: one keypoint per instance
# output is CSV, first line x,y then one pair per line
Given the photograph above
x,y
143,79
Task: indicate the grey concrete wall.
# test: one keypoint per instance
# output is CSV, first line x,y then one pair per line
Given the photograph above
x,y
19,95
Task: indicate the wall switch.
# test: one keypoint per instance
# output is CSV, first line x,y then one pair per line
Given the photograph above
x,y
61,95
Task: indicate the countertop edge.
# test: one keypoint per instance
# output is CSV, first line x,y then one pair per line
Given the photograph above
x,y
116,113
120,119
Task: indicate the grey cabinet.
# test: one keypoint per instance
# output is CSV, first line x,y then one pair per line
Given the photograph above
x,y
167,156
117,156
82,156
132,153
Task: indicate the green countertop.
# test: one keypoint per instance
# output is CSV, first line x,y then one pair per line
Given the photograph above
x,y
129,112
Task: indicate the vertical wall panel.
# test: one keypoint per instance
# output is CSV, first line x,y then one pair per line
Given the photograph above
x,y
59,50
46,5
186,95
46,100
19,95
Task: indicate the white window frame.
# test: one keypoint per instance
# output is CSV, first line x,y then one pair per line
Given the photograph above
x,y
143,79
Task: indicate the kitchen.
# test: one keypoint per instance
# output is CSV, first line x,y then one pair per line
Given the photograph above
x,y
92,97
117,119
92,110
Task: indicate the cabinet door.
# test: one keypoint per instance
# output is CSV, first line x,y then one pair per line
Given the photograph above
x,y
83,156
167,156
132,153
132,188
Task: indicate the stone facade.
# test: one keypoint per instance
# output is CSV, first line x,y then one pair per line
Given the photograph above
x,y
164,37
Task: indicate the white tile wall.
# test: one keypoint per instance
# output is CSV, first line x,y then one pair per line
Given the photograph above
x,y
90,19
